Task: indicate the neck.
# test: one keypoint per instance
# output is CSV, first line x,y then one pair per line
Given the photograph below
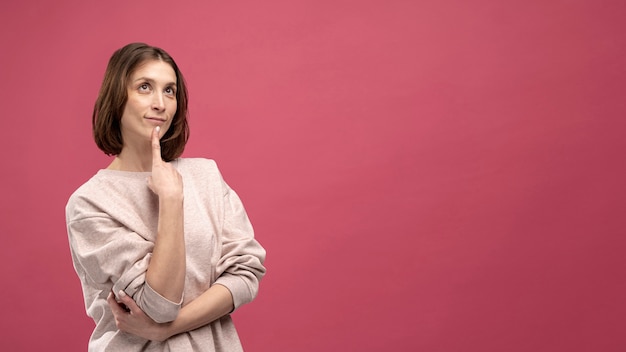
x,y
132,160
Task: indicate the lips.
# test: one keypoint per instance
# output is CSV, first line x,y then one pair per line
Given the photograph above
x,y
156,120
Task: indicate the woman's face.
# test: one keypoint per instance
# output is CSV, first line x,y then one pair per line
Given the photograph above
x,y
151,102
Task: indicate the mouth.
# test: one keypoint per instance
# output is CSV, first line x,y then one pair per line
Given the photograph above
x,y
156,120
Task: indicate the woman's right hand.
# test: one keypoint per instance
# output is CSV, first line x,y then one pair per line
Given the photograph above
x,y
165,180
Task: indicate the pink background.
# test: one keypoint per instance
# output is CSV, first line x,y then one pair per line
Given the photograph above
x,y
425,175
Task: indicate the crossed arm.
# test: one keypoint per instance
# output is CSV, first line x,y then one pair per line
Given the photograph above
x,y
214,303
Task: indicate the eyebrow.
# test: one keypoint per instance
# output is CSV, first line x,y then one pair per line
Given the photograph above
x,y
152,81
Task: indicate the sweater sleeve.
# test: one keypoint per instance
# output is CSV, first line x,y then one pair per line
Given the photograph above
x,y
240,267
109,256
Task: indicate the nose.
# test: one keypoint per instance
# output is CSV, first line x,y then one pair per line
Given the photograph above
x,y
158,103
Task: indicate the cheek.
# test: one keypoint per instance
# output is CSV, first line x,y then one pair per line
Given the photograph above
x,y
173,107
125,114
172,111
132,106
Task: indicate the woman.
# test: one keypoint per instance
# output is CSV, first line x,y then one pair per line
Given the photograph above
x,y
163,247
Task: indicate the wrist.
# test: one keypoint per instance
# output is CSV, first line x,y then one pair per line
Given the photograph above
x,y
173,197
163,331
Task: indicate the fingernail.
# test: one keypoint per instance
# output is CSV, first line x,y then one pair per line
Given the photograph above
x,y
158,128
122,293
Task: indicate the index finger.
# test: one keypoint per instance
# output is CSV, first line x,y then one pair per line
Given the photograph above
x,y
156,146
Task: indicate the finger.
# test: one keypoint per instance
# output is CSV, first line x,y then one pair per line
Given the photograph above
x,y
156,146
128,302
115,307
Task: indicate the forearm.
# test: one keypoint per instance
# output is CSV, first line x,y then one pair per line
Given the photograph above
x,y
166,272
213,304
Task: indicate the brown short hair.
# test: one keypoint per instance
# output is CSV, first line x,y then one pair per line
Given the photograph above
x,y
109,107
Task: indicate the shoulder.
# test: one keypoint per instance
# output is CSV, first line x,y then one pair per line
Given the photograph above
x,y
82,198
200,172
107,190
196,163
198,166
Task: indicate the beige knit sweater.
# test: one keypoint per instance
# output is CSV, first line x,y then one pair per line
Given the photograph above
x,y
111,223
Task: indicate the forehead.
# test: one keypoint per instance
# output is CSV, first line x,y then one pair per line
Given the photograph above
x,y
155,70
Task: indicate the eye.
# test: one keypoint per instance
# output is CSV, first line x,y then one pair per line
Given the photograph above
x,y
144,87
170,90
